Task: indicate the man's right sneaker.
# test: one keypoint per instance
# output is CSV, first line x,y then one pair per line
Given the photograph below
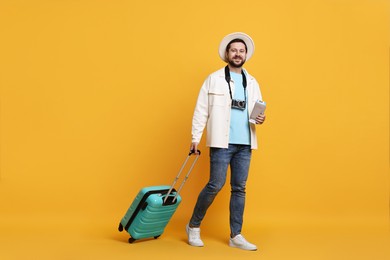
x,y
240,242
194,236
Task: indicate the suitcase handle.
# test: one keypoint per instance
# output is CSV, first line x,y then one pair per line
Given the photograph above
x,y
193,152
185,178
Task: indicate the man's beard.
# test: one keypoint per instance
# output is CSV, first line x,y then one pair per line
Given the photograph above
x,y
235,65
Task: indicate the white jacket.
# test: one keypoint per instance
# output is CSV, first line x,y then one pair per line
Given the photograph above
x,y
213,108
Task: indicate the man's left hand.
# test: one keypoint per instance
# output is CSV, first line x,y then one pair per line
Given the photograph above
x,y
260,119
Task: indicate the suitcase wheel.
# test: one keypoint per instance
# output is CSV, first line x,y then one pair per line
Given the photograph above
x,y
157,236
120,228
131,240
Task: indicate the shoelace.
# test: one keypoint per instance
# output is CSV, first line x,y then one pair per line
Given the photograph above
x,y
241,239
195,234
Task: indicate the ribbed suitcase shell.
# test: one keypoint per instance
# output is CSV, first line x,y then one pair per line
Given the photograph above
x,y
147,216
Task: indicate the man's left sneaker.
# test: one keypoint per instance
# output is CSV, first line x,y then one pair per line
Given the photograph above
x,y
240,242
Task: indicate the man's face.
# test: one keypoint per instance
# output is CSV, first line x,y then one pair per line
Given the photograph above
x,y
236,56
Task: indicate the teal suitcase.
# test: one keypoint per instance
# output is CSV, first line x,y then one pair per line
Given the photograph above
x,y
153,207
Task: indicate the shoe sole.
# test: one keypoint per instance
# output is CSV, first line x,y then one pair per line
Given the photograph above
x,y
247,249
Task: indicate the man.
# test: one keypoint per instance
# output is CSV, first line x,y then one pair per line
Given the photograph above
x,y
224,104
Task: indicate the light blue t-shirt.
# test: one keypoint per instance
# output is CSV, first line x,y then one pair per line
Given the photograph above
x,y
239,124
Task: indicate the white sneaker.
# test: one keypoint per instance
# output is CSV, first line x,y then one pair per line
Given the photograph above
x,y
194,236
240,242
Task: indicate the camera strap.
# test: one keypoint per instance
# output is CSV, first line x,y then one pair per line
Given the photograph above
x,y
227,78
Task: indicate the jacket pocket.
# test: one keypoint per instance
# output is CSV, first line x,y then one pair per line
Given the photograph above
x,y
217,99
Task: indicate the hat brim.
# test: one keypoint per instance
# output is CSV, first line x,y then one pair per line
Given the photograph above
x,y
237,35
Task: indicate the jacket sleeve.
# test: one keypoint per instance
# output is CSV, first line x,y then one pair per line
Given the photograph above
x,y
201,112
258,90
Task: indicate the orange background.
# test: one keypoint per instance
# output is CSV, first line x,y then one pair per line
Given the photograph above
x,y
97,100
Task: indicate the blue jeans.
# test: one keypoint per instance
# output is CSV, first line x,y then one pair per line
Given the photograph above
x,y
238,156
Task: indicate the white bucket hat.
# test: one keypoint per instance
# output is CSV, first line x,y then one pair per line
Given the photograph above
x,y
237,35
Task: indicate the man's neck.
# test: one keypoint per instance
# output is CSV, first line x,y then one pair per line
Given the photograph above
x,y
234,69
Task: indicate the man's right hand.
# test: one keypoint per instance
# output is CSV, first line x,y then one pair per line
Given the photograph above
x,y
194,148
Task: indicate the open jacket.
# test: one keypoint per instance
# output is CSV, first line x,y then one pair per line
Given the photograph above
x,y
213,108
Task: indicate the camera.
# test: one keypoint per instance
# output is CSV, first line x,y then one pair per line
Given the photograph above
x,y
238,104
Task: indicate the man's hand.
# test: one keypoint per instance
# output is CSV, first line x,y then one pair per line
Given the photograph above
x,y
194,148
260,119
